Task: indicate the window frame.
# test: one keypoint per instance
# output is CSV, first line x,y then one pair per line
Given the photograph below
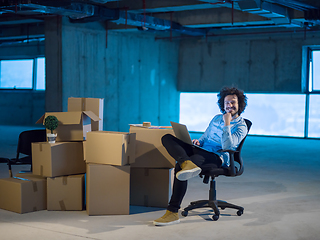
x,y
309,65
306,81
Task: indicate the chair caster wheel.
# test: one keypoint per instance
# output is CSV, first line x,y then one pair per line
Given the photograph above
x,y
184,213
240,212
215,217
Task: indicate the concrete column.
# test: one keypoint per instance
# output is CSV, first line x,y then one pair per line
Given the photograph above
x,y
53,54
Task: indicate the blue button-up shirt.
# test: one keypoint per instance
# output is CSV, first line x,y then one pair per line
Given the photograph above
x,y
218,137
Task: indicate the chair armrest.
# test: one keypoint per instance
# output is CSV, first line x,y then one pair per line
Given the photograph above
x,y
232,167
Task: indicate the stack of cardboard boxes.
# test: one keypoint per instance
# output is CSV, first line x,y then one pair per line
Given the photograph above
x,y
152,172
57,179
108,156
62,163
114,169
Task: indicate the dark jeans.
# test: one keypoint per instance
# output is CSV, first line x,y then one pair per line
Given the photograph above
x,y
181,152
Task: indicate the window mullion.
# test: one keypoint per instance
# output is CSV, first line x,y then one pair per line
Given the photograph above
x,y
34,74
306,120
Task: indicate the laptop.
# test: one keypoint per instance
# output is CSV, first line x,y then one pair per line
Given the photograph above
x,y
182,133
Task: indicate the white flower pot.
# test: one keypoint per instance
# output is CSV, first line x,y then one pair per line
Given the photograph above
x,y
51,137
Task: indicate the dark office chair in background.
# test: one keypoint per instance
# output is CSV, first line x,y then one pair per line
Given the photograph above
x,y
24,153
209,171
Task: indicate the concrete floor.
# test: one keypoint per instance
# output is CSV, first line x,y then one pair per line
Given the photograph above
x,y
280,191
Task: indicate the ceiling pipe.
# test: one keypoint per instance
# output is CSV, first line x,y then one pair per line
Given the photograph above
x,y
98,14
304,31
79,12
278,14
298,5
73,10
312,16
156,24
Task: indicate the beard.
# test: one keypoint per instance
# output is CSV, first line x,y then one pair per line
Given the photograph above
x,y
232,111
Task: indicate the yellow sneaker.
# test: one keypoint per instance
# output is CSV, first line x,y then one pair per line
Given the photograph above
x,y
188,170
167,219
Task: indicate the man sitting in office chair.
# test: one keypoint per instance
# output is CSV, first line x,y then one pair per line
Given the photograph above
x,y
225,131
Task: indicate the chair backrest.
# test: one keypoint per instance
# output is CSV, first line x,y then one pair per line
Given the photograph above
x,y
28,137
237,155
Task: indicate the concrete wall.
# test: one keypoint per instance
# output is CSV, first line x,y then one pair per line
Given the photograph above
x,y
134,73
137,75
21,107
256,64
24,50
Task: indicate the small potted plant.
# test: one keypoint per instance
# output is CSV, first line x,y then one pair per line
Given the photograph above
x,y
51,123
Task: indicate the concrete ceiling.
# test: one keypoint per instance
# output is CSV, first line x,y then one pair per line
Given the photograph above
x,y
20,19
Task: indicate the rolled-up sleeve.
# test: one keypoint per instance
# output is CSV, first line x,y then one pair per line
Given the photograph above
x,y
231,138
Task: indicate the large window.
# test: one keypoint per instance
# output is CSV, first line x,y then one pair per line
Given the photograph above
x,y
313,92
295,115
276,114
197,109
22,74
271,114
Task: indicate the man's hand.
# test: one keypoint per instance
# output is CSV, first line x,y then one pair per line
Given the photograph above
x,y
196,142
227,118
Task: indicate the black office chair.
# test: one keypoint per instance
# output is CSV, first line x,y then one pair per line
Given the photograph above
x,y
208,171
24,152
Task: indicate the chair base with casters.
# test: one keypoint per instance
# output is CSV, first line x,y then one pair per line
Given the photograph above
x,y
212,203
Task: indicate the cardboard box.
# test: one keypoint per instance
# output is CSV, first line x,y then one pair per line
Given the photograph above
x,y
73,126
22,195
65,193
151,187
114,148
94,105
108,189
57,159
150,153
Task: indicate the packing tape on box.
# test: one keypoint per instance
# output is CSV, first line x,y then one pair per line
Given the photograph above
x,y
34,184
41,170
65,180
40,147
83,104
62,205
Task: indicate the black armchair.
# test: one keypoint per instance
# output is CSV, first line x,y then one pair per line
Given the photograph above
x,y
24,153
209,172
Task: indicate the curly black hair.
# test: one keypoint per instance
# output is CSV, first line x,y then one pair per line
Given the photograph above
x,y
242,99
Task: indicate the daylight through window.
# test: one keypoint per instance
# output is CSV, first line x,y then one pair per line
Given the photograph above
x,y
22,74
